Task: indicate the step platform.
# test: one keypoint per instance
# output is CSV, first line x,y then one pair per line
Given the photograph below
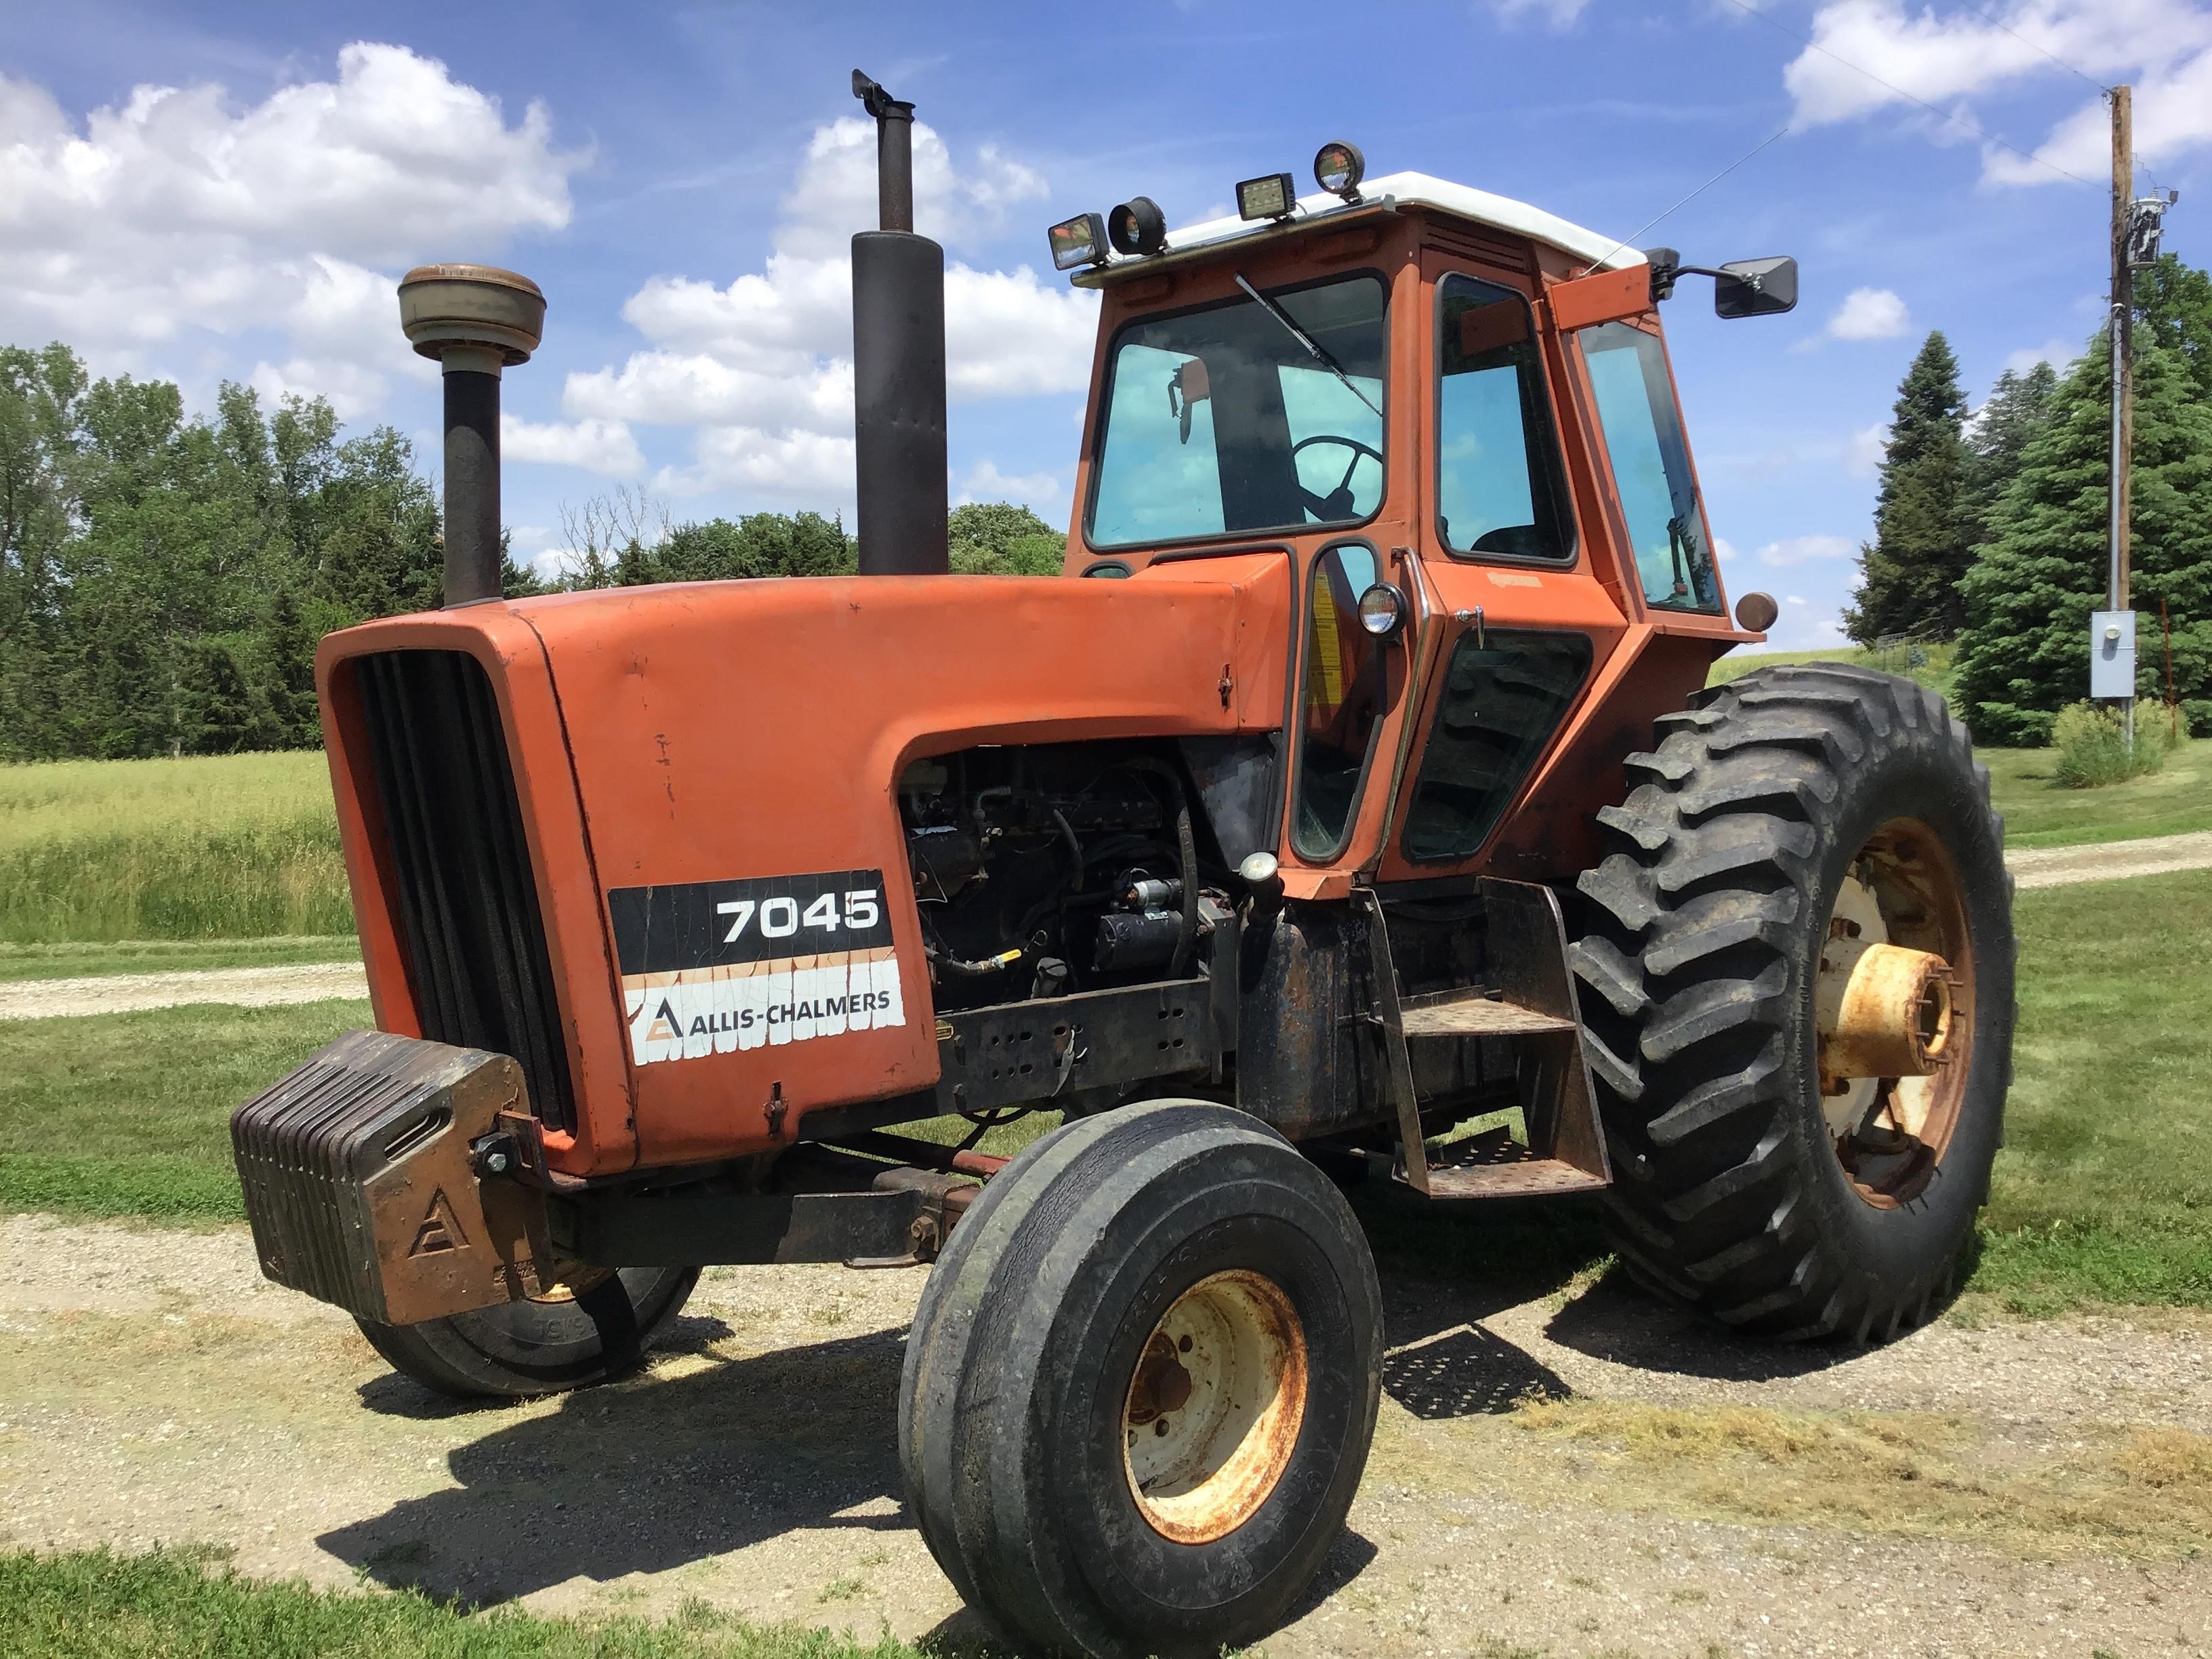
x,y
1495,1166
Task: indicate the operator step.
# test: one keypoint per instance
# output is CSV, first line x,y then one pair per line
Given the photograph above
x,y
1472,1014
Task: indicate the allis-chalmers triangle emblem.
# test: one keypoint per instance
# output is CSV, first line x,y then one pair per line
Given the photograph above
x,y
440,1230
666,1027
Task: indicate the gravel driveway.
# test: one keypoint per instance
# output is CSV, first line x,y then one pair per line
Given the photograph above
x,y
153,1389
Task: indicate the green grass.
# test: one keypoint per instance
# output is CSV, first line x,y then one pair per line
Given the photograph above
x,y
2037,812
223,847
72,960
2103,1191
95,1605
129,1114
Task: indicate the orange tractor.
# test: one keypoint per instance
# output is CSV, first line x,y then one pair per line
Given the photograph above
x,y
1356,783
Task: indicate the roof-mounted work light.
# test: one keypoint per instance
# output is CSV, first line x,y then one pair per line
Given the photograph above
x,y
1078,241
1137,226
1338,169
1272,196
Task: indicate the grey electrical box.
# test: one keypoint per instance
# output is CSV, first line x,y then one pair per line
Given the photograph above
x,y
2112,653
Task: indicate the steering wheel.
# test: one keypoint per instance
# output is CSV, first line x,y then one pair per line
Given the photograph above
x,y
1337,504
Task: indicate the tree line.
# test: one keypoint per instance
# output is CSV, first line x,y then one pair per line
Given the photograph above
x,y
1993,529
165,577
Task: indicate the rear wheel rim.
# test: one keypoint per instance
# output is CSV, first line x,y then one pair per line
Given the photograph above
x,y
1889,1133
1214,1406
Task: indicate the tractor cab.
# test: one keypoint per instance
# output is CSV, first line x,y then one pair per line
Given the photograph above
x,y
1453,413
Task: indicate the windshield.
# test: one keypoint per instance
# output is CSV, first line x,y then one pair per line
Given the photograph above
x,y
1223,421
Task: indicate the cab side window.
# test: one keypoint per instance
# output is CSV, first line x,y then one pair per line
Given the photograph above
x,y
1347,690
1644,441
1501,491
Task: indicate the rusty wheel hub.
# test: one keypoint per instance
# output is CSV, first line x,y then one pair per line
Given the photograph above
x,y
1893,1007
1214,1406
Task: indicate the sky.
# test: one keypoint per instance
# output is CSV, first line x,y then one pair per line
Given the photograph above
x,y
230,191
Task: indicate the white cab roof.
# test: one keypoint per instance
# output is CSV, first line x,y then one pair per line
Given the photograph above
x,y
1418,188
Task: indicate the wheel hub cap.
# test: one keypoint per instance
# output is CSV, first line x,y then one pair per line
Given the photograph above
x,y
1214,1406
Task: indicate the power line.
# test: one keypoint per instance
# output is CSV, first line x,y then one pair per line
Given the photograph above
x,y
1986,137
1692,196
1997,24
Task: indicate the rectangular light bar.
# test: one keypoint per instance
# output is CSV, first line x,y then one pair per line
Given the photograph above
x,y
1078,241
1270,197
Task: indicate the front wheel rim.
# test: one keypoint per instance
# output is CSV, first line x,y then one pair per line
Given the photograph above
x,y
1214,1406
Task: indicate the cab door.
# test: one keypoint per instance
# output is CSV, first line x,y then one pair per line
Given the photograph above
x,y
1517,576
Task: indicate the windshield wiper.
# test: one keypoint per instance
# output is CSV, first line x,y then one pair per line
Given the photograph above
x,y
1320,352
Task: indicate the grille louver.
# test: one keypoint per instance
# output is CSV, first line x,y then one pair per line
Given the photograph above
x,y
467,896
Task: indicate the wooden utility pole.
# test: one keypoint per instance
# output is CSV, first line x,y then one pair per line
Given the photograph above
x,y
2122,330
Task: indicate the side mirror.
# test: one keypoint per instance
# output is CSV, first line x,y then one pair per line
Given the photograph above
x,y
1756,288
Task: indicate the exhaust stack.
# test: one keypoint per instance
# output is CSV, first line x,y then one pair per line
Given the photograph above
x,y
898,363
477,320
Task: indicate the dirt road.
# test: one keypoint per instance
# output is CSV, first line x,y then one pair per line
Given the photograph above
x,y
2013,1489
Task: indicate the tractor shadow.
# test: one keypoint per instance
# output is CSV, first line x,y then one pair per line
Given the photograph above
x,y
646,1475
1447,1269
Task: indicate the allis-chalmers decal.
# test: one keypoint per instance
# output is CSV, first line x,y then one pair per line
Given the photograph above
x,y
711,966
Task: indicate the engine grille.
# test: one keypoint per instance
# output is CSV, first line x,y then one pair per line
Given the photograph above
x,y
467,896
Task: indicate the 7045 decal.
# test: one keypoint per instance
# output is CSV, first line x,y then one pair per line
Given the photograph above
x,y
781,918
717,966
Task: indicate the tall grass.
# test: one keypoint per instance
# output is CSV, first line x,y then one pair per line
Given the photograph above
x,y
222,846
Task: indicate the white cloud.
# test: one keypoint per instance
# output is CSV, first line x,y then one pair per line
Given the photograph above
x,y
1863,455
176,211
763,366
1560,13
806,469
985,482
603,447
2163,46
1805,549
1869,313
2055,352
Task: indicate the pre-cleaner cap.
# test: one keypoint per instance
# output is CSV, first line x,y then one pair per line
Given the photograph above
x,y
441,307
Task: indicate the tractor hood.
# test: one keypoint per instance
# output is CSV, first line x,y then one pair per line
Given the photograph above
x,y
679,757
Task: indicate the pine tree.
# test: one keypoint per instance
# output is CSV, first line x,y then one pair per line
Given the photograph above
x,y
2173,306
2026,651
1909,574
2018,406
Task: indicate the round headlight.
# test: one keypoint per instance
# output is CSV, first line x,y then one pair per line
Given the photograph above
x,y
1339,168
1137,226
1383,609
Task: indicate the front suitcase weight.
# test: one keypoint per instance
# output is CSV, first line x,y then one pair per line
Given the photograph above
x,y
358,1181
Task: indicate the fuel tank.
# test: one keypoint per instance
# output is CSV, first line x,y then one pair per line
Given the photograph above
x,y
646,839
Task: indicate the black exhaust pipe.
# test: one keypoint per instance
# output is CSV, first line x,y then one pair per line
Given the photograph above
x,y
478,321
898,364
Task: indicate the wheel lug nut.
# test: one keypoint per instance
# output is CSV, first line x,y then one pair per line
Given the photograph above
x,y
1159,1425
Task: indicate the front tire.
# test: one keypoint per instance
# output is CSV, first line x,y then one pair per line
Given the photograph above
x,y
1783,811
599,1329
1141,1383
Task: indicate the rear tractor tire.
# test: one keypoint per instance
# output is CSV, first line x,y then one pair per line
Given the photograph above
x,y
1140,1385
1796,989
595,1328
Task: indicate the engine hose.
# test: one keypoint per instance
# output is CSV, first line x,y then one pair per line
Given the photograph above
x,y
1186,851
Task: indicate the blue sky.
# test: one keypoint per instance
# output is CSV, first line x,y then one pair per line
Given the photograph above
x,y
206,192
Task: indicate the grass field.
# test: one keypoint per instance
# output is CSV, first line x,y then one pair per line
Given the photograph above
x,y
2103,1193
224,847
93,1605
74,959
141,854
1932,669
